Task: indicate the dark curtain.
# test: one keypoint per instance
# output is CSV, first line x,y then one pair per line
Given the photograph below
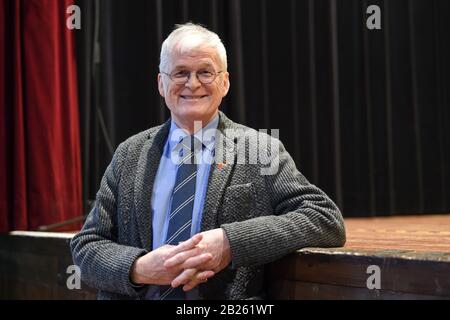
x,y
40,167
362,112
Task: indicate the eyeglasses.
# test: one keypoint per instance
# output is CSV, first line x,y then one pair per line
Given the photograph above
x,y
181,77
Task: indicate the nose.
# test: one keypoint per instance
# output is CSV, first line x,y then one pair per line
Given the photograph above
x,y
193,81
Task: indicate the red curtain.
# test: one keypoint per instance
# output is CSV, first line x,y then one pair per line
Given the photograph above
x,y
40,168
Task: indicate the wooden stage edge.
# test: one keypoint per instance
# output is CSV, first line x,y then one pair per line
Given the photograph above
x,y
410,255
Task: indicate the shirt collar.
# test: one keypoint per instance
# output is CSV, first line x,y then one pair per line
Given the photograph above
x,y
207,139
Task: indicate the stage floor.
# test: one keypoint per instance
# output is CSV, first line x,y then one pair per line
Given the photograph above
x,y
412,234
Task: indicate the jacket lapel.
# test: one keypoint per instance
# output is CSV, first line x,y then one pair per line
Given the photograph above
x,y
147,168
221,168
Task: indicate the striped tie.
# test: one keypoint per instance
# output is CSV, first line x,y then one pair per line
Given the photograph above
x,y
180,218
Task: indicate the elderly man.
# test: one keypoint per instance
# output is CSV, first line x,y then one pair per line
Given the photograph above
x,y
178,215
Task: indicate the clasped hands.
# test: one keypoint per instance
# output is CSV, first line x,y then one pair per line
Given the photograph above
x,y
189,263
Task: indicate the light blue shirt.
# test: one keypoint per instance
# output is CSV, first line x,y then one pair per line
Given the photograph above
x,y
165,181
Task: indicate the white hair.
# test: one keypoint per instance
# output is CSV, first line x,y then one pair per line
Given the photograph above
x,y
189,36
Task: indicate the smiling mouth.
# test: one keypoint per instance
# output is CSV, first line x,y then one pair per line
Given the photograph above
x,y
186,97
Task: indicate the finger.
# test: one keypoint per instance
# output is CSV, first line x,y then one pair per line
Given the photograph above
x,y
205,275
193,277
199,278
196,261
183,277
188,244
181,257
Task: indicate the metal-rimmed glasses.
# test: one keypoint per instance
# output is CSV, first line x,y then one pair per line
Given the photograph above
x,y
182,76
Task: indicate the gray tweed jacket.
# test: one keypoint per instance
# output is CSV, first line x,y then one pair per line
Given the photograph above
x,y
264,216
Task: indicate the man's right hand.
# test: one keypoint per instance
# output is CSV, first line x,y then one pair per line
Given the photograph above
x,y
149,269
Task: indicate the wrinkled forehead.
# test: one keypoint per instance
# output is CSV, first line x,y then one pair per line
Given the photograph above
x,y
201,55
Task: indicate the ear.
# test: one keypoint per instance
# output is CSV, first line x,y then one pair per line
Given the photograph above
x,y
225,84
160,85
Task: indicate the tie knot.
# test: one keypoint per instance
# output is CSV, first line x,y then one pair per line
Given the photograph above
x,y
186,150
190,143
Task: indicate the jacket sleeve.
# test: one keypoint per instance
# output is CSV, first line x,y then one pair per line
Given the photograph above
x,y
105,264
303,216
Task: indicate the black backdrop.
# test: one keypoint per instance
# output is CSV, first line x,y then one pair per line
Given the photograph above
x,y
363,112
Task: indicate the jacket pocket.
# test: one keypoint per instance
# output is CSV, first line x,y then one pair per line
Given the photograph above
x,y
238,203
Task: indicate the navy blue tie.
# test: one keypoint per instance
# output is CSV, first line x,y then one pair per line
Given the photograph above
x,y
180,219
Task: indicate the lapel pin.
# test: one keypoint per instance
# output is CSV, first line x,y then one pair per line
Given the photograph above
x,y
220,165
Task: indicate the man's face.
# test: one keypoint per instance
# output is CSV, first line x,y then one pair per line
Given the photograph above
x,y
194,101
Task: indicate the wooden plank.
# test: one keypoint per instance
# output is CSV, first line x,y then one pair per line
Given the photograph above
x,y
297,290
397,274
35,268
